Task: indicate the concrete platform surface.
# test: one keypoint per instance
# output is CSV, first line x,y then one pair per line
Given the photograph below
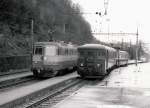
x,y
14,76
107,97
126,87
8,96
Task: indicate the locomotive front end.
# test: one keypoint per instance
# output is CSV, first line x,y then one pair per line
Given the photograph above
x,y
37,60
43,60
91,63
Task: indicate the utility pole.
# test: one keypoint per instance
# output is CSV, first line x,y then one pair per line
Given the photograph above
x,y
122,44
106,6
130,49
137,47
32,40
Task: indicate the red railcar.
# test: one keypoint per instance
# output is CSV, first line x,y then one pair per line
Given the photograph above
x,y
95,60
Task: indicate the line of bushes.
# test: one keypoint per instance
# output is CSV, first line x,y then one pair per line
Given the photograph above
x,y
8,63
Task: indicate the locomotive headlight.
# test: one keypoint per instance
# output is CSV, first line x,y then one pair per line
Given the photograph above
x,y
81,64
98,65
38,70
45,58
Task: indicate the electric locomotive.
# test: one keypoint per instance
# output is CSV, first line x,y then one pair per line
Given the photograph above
x,y
95,60
50,58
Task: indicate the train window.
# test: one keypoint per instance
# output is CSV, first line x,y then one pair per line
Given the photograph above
x,y
101,53
66,51
62,51
51,50
72,52
33,50
82,53
38,50
59,53
90,53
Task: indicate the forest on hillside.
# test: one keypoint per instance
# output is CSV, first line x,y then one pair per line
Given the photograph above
x,y
52,19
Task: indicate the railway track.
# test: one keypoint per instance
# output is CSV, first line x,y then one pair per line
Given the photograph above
x,y
54,94
14,72
53,91
12,83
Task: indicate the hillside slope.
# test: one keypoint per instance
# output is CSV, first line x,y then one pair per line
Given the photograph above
x,y
53,19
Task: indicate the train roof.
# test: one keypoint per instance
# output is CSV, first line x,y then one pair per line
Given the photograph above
x,y
122,51
61,44
125,52
47,43
96,46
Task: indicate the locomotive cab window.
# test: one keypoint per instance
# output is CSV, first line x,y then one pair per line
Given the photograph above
x,y
38,51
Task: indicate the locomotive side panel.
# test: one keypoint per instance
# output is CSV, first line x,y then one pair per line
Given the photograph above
x,y
54,57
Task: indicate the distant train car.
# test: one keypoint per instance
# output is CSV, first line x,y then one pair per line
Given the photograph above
x,y
95,60
122,58
51,57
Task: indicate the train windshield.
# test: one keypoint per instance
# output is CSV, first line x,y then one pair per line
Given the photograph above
x,y
86,53
38,50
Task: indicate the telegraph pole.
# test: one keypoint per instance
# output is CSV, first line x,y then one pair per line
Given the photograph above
x,y
32,40
32,32
122,44
137,47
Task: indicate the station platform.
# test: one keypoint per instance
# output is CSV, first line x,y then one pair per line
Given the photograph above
x,y
126,87
17,94
107,97
15,76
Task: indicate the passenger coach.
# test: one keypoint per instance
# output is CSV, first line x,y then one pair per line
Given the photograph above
x,y
95,60
50,58
122,58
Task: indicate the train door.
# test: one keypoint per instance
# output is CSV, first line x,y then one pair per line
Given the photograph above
x,y
100,62
107,60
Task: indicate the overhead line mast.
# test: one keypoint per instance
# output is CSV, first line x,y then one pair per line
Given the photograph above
x,y
105,6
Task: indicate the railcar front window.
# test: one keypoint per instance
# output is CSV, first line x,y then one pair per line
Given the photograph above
x,y
101,53
82,53
38,51
90,53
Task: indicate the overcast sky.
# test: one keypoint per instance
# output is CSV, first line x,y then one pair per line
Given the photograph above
x,y
123,16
